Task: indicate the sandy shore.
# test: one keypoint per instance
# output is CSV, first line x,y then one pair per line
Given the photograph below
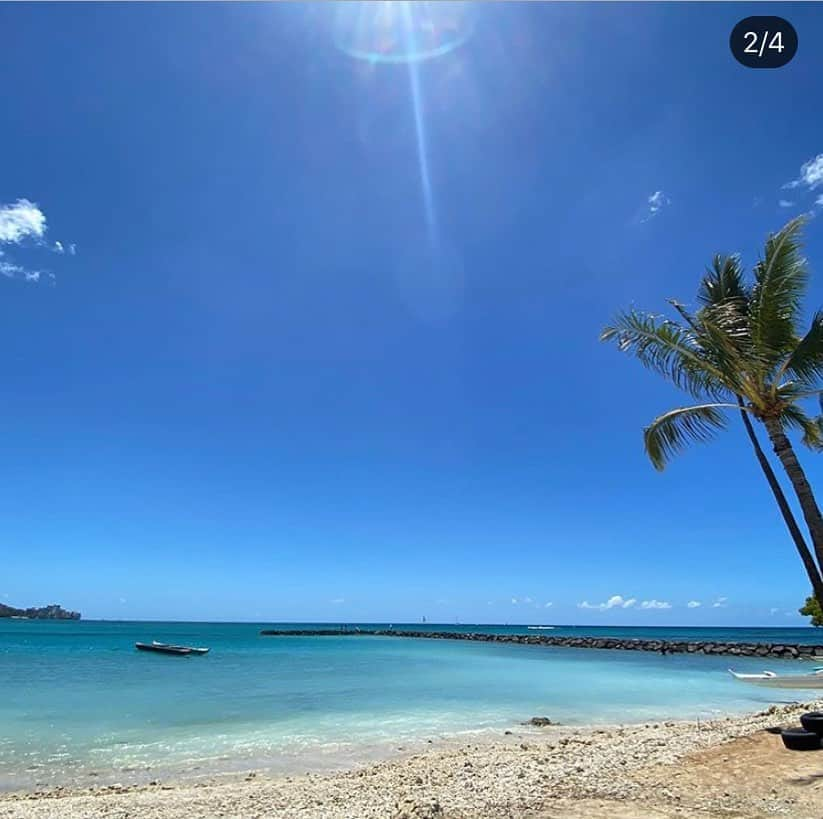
x,y
725,768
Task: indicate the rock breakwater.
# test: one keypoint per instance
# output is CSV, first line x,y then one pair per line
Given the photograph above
x,y
788,651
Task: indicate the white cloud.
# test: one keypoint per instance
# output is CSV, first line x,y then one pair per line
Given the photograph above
x,y
693,604
720,603
655,604
21,220
527,600
819,200
785,203
811,174
657,201
547,605
774,610
72,249
615,601
514,601
122,600
338,600
10,270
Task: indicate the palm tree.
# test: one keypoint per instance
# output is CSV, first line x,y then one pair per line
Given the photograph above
x,y
742,351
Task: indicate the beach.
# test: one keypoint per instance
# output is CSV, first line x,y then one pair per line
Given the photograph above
x,y
726,767
82,708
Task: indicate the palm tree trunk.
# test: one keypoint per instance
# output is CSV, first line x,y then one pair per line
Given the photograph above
x,y
808,504
812,569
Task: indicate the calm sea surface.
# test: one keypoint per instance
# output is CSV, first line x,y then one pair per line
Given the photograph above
x,y
79,704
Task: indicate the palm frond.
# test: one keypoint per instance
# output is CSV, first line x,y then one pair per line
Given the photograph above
x,y
724,283
805,364
780,281
669,433
724,336
793,417
667,348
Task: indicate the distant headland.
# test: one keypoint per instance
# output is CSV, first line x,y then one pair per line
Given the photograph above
x,y
52,612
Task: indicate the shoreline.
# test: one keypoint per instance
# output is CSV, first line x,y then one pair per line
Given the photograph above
x,y
784,651
693,768
332,757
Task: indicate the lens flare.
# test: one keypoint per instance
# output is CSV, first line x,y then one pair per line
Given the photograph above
x,y
407,33
401,31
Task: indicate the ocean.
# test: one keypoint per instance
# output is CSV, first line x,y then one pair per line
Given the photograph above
x,y
79,705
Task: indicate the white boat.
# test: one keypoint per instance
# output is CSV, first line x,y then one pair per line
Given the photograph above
x,y
771,680
764,675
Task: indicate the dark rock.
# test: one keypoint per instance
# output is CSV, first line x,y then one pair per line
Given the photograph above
x,y
540,722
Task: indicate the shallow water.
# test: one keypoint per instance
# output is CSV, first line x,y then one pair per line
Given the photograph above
x,y
78,703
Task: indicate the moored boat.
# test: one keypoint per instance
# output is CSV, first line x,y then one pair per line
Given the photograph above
x,y
763,675
193,649
166,648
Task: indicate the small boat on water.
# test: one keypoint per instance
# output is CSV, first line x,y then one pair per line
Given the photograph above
x,y
771,680
166,648
764,675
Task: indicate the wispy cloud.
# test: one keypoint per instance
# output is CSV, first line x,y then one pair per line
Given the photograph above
x,y
655,203
548,605
23,224
337,601
8,269
693,604
811,174
720,603
774,610
515,601
655,604
786,203
615,601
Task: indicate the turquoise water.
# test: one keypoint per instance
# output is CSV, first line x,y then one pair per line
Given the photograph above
x,y
79,704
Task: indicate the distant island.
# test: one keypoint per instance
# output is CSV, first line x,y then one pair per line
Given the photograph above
x,y
52,612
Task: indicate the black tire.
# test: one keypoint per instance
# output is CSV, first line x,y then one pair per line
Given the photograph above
x,y
813,721
798,739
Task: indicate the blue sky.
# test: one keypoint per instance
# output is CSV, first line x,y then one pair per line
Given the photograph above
x,y
266,376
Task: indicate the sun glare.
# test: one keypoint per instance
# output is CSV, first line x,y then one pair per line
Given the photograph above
x,y
401,32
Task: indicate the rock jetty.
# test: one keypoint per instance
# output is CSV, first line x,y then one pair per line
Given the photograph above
x,y
788,651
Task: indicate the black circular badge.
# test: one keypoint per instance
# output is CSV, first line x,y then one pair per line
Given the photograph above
x,y
763,42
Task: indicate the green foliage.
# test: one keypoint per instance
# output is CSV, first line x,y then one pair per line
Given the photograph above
x,y
743,340
812,609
